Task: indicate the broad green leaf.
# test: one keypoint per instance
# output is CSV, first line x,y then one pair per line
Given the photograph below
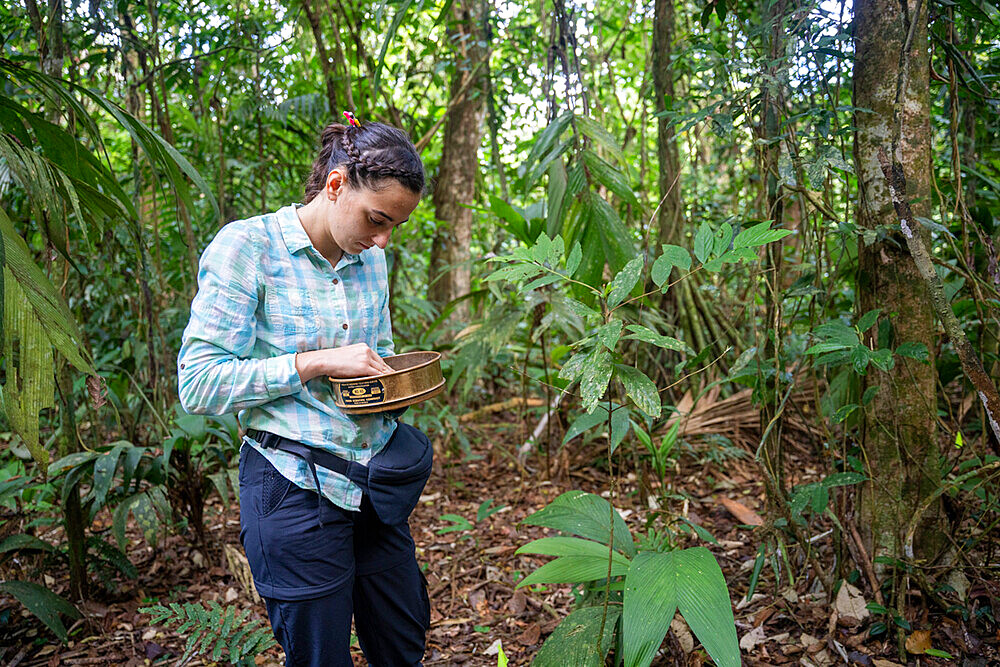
x,y
843,479
609,334
868,319
594,378
610,177
617,242
104,472
650,600
759,235
820,348
48,306
640,389
120,517
836,331
690,579
22,541
600,136
672,256
573,570
70,461
647,335
584,515
43,603
574,641
574,259
860,356
571,546
913,350
29,387
625,281
544,141
703,242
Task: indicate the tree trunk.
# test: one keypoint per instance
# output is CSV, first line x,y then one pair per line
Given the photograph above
x,y
325,61
450,273
669,217
899,435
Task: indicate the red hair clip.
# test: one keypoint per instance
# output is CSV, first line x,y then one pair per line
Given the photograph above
x,y
352,119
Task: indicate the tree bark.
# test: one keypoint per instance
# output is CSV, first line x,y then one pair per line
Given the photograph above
x,y
325,61
898,433
670,215
450,273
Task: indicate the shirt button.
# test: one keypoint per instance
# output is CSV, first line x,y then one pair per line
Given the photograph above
x,y
182,366
344,325
364,445
335,281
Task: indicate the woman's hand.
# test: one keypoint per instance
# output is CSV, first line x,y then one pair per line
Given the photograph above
x,y
350,361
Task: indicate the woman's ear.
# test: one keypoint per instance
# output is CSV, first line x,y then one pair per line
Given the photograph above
x,y
335,181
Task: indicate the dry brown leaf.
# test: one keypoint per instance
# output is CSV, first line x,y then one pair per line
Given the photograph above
x,y
919,641
743,513
879,662
530,636
683,635
850,603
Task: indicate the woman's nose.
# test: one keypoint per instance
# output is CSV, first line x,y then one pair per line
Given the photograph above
x,y
382,240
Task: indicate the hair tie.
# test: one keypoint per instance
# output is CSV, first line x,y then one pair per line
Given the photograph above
x,y
352,119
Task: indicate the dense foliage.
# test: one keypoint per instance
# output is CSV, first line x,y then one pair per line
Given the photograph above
x,y
672,211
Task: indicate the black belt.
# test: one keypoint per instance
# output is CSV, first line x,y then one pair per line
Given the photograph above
x,y
312,457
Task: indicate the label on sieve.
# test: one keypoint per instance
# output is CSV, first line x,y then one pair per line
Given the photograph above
x,y
367,392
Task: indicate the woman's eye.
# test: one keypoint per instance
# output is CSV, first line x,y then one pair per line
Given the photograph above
x,y
377,223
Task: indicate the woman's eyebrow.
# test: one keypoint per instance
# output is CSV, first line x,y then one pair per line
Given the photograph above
x,y
387,216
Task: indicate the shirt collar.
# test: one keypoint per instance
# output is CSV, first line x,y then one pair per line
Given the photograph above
x,y
296,239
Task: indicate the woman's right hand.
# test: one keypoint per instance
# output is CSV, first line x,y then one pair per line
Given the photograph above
x,y
349,361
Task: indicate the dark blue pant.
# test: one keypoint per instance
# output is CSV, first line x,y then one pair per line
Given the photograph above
x,y
314,577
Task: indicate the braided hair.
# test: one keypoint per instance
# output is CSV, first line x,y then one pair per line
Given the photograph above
x,y
372,154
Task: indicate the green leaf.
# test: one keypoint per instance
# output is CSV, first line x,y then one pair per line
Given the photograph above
x,y
573,570
860,356
913,350
869,394
759,235
616,241
843,479
71,461
595,377
843,412
703,242
572,546
47,305
640,389
609,334
820,348
647,335
600,136
610,177
868,319
599,417
573,642
104,472
690,579
836,331
584,515
625,281
24,542
574,258
672,256
43,603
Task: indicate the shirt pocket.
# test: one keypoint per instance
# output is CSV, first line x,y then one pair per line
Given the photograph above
x,y
290,311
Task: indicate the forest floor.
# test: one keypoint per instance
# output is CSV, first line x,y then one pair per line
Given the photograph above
x,y
472,574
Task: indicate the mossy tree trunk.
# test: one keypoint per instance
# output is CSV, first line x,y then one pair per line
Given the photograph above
x,y
898,432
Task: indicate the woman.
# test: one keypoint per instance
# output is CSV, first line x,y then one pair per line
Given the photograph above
x,y
285,300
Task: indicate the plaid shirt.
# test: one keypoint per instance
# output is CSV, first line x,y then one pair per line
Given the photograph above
x,y
265,293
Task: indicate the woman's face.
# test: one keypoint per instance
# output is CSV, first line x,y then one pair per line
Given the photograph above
x,y
360,218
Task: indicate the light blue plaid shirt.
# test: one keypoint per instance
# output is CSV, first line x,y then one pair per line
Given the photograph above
x,y
265,293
